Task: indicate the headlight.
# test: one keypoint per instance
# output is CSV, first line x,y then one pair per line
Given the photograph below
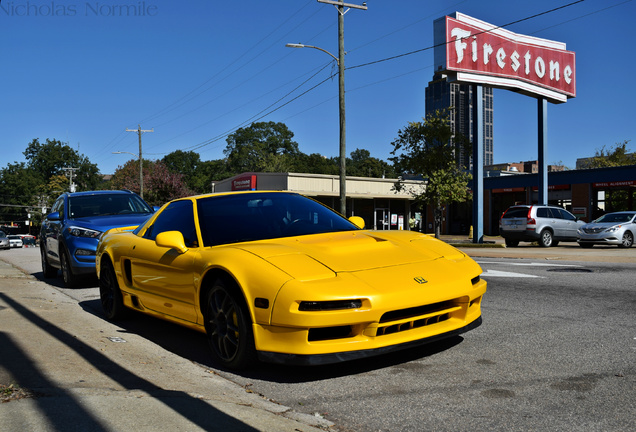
x,y
580,231
83,232
613,229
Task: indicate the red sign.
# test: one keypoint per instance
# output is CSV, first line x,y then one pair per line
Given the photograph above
x,y
246,182
483,53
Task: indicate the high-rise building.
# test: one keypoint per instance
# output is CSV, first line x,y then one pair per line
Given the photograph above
x,y
458,99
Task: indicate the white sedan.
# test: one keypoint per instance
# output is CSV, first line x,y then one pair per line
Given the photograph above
x,y
15,241
617,228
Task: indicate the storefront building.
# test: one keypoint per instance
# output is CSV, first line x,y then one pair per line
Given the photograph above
x,y
373,199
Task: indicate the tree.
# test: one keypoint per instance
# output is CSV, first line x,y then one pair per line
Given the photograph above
x,y
50,159
190,165
160,185
619,155
249,149
426,148
362,164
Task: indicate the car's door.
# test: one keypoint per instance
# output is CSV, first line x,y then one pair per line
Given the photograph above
x,y
52,232
569,223
163,277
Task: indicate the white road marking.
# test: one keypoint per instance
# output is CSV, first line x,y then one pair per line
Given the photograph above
x,y
497,273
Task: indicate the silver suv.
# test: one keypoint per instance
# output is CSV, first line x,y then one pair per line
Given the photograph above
x,y
546,224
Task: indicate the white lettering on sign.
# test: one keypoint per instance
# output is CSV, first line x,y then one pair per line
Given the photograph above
x,y
496,52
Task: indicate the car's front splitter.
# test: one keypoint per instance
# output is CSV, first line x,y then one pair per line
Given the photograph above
x,y
324,359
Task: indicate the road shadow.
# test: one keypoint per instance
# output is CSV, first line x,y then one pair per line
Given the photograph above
x,y
192,345
21,367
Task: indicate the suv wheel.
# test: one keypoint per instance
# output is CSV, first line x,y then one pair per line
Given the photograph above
x,y
512,243
545,239
70,280
48,270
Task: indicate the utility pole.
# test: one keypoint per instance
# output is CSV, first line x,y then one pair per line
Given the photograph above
x,y
340,6
141,164
70,174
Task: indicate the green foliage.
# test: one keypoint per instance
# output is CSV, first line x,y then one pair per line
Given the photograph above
x,y
189,164
619,155
257,147
50,159
424,148
362,164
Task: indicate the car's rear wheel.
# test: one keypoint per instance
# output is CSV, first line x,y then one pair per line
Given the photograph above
x,y
228,326
70,280
110,294
47,270
512,243
628,240
545,239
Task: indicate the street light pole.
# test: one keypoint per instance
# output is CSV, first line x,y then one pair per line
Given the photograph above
x,y
340,5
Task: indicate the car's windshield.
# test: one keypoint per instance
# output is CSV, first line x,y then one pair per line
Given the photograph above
x,y
516,212
615,218
105,204
248,217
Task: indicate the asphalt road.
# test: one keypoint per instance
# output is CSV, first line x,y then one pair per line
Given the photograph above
x,y
556,351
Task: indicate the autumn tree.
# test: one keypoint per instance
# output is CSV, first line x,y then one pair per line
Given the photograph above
x,y
160,185
428,148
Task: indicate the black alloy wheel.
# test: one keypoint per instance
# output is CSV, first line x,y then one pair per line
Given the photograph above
x,y
110,294
228,327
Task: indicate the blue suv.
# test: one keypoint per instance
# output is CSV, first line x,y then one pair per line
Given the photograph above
x,y
70,233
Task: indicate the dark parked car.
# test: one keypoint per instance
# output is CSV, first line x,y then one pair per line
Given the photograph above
x,y
70,233
547,225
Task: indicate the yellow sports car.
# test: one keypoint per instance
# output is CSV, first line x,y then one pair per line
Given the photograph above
x,y
279,277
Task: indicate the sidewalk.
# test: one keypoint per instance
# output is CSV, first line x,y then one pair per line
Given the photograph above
x,y
70,370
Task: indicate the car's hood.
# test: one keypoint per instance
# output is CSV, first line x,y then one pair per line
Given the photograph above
x,y
354,250
104,223
602,225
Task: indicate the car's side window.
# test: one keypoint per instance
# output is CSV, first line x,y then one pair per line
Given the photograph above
x,y
542,212
567,215
178,216
554,213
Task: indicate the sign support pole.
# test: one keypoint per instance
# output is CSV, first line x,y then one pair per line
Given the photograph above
x,y
543,150
478,163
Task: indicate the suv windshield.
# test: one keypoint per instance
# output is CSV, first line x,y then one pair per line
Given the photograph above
x,y
106,204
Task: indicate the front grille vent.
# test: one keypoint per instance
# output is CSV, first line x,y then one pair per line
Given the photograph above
x,y
416,317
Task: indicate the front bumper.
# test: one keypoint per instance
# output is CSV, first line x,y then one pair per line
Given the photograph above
x,y
337,357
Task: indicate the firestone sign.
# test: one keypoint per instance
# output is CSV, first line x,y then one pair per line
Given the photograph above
x,y
470,50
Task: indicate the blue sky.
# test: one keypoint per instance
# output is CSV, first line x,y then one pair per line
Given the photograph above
x,y
194,71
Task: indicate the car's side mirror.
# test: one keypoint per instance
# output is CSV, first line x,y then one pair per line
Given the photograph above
x,y
172,240
357,221
55,216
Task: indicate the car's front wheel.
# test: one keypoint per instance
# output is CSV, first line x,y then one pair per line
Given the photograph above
x,y
512,243
228,326
545,239
110,294
628,240
48,270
